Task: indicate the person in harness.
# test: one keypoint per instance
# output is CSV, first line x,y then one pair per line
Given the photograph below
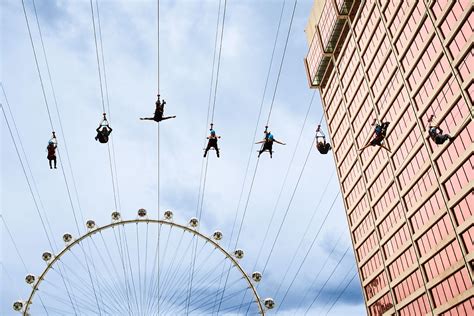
x,y
212,143
103,131
436,133
378,139
51,149
267,143
321,145
159,111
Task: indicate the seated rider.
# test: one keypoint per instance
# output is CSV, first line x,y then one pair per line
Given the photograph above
x,y
321,144
212,143
103,134
51,148
379,135
436,133
268,143
159,110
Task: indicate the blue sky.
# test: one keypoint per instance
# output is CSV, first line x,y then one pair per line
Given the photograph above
x,y
186,41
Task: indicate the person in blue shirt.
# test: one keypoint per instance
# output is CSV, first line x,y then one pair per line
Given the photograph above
x,y
212,143
267,143
379,135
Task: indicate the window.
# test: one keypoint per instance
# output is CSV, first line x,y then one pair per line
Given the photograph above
x,y
399,239
429,240
454,16
408,286
420,306
423,185
405,261
360,209
460,178
427,211
376,285
462,37
367,246
412,168
456,148
451,287
393,218
409,28
444,259
381,306
465,68
381,207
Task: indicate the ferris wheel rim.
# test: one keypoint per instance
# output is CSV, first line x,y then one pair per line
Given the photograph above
x,y
114,223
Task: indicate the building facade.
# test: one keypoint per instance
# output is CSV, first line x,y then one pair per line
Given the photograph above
x,y
411,210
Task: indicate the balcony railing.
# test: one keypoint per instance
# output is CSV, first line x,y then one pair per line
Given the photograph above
x,y
330,34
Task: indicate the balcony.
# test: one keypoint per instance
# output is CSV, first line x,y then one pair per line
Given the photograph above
x,y
330,33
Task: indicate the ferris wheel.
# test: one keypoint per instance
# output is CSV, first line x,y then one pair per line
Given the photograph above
x,y
142,266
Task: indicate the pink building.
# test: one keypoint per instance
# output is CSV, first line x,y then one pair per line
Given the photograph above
x,y
410,211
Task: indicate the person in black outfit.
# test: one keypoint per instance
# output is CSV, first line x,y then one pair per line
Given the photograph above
x,y
103,134
436,133
321,145
159,110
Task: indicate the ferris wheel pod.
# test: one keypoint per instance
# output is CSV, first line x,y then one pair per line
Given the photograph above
x,y
30,279
217,235
67,238
47,256
90,224
269,303
18,306
257,276
239,253
168,215
116,216
193,222
141,212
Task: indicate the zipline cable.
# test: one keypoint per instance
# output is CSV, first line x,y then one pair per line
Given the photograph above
x,y
313,283
107,99
281,63
203,182
33,196
328,278
341,293
102,99
57,108
21,260
307,252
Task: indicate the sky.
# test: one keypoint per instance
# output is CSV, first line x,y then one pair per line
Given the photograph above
x,y
187,33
